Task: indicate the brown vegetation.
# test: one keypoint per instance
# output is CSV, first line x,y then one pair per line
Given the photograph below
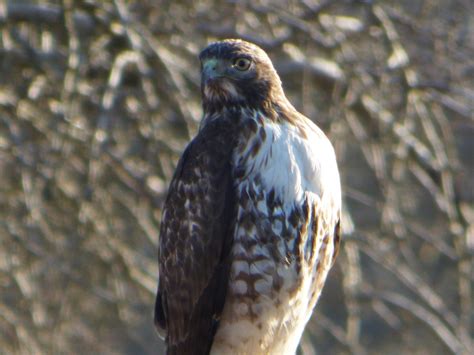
x,y
98,99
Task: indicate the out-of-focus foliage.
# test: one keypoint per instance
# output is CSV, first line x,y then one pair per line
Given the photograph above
x,y
98,99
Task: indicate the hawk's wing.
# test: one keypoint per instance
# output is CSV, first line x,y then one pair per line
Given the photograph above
x,y
336,240
195,242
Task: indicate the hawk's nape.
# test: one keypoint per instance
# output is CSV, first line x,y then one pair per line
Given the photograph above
x,y
251,224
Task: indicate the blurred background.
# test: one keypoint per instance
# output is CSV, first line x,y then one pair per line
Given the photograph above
x,y
99,98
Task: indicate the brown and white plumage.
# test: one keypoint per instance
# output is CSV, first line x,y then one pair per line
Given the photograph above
x,y
250,226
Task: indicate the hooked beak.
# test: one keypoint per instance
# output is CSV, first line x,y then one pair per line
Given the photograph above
x,y
212,69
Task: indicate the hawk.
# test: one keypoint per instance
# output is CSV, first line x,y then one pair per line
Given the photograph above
x,y
251,223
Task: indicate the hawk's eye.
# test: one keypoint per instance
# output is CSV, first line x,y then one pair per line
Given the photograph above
x,y
241,64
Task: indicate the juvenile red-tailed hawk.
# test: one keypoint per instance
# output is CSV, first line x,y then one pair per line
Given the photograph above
x,y
250,226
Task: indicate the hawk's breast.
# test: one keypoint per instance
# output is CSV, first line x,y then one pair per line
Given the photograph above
x,y
289,200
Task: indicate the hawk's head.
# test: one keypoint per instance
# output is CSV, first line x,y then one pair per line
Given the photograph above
x,y
235,72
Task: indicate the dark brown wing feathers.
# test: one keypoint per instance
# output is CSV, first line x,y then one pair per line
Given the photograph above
x,y
336,240
195,241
